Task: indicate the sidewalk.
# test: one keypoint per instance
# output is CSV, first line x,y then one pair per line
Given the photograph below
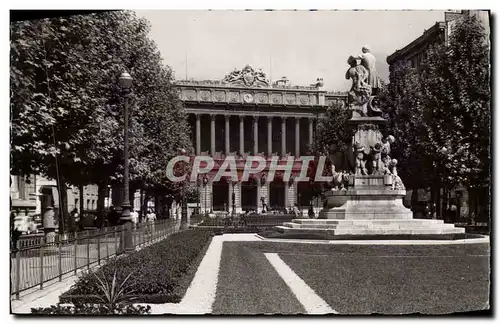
x,y
42,298
49,296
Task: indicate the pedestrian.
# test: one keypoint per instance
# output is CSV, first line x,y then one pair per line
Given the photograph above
x,y
151,218
134,215
76,218
295,211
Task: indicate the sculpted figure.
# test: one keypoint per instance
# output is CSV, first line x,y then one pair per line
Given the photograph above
x,y
386,145
386,164
261,77
378,168
397,183
233,76
360,161
368,61
360,90
336,158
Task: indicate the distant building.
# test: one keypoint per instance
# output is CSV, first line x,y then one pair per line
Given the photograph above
x,y
247,114
415,52
30,196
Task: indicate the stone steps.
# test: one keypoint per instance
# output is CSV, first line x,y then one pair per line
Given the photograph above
x,y
368,226
372,231
364,215
367,221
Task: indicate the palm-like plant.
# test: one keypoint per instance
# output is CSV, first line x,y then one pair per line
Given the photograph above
x,y
113,295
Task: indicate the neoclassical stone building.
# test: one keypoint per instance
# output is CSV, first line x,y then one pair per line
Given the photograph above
x,y
244,114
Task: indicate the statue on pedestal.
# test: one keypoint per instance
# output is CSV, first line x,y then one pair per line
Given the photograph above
x,y
360,97
368,61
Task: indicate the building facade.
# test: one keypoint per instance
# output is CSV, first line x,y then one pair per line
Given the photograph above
x,y
415,52
30,196
244,114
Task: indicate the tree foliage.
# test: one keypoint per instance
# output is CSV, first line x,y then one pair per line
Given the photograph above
x,y
333,129
66,101
440,114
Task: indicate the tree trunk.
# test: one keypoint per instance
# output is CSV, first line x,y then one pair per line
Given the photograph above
x,y
64,222
131,198
82,219
439,202
101,196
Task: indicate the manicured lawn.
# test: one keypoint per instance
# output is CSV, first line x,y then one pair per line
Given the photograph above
x,y
248,284
356,279
367,283
161,272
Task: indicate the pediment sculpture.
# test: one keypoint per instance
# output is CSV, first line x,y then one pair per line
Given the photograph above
x,y
247,77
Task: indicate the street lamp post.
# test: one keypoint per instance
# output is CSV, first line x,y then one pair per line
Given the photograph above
x,y
311,208
198,183
205,182
298,200
125,219
183,198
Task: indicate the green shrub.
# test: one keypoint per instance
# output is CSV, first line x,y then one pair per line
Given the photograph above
x,y
156,269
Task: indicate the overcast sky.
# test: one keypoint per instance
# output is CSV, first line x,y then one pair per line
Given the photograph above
x,y
302,45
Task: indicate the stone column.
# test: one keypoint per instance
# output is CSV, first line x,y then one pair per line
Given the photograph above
x,y
297,136
269,136
286,195
255,135
242,134
310,131
259,205
212,135
226,133
238,198
229,197
283,136
198,134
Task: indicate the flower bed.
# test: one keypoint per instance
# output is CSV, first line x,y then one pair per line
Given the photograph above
x,y
159,273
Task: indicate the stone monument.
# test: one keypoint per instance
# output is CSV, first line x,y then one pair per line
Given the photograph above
x,y
367,195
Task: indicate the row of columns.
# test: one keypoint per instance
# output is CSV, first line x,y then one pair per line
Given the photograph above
x,y
255,134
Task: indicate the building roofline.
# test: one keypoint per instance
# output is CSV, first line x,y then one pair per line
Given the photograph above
x,y
438,26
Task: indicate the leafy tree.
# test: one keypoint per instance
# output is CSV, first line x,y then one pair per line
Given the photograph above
x,y
455,81
440,114
66,101
333,129
402,102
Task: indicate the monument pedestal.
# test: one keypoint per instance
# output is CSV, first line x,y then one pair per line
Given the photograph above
x,y
372,205
369,207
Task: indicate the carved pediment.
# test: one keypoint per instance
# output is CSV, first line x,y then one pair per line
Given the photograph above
x,y
247,77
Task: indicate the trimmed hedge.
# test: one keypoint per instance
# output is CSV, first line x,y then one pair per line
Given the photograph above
x,y
253,220
157,270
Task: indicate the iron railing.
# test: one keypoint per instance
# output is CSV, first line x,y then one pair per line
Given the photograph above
x,y
251,220
37,260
